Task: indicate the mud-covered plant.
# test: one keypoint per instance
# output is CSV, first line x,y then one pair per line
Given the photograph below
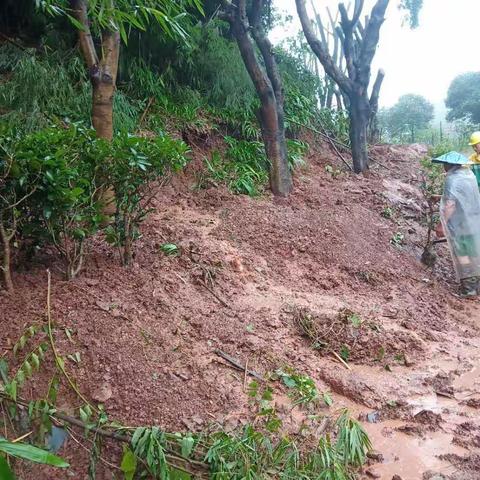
x,y
136,168
397,239
431,186
353,442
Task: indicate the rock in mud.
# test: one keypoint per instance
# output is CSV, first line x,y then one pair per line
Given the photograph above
x,y
102,393
375,456
372,473
396,477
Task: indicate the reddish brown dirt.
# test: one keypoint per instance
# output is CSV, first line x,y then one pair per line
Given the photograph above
x,y
147,335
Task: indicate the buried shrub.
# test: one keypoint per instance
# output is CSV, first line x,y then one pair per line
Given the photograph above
x,y
135,168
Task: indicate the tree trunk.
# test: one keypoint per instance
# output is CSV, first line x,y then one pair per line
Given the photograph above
x,y
359,115
268,87
4,238
102,109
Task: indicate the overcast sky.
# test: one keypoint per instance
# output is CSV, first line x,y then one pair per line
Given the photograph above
x,y
422,61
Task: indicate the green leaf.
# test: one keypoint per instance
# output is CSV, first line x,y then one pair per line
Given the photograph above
x,y
34,454
5,472
327,399
187,446
35,361
28,369
129,464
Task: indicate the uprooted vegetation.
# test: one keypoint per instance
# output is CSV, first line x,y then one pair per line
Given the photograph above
x,y
347,335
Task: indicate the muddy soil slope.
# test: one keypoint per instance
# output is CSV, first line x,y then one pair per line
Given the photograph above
x,y
250,273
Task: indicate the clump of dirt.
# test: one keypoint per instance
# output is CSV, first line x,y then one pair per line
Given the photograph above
x,y
470,465
354,338
430,420
467,435
442,382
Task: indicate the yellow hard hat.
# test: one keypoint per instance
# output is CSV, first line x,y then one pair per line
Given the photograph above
x,y
475,138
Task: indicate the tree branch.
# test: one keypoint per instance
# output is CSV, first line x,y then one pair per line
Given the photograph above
x,y
320,50
79,10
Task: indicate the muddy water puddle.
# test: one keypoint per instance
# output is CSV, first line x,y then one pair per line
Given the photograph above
x,y
409,456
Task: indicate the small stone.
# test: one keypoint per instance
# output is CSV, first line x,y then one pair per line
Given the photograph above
x,y
91,282
372,473
408,361
102,393
396,477
375,456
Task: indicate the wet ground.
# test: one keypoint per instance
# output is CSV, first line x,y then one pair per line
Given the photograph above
x,y
147,335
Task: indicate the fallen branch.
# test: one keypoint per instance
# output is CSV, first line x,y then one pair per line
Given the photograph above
x,y
61,417
341,360
330,140
223,302
238,365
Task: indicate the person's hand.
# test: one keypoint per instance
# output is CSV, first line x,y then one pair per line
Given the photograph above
x,y
439,231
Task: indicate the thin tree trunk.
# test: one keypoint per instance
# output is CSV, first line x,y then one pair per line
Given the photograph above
x,y
359,114
4,237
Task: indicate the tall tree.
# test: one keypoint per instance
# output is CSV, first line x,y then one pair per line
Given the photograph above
x,y
110,20
463,98
249,32
359,46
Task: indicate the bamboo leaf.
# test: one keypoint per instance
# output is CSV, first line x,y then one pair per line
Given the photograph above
x,y
34,454
129,464
5,472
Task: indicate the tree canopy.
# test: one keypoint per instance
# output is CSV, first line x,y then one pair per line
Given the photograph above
x,y
409,115
463,98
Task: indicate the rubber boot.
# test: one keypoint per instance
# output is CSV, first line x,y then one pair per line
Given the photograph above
x,y
469,287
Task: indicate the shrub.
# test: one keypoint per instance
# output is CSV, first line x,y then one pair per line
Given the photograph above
x,y
64,210
134,168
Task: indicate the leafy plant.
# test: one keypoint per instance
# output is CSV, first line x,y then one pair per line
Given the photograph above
x,y
397,239
136,167
26,452
303,387
170,249
387,212
352,440
64,208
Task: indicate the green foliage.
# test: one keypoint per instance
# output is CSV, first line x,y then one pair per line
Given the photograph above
x,y
31,453
352,440
411,114
397,239
131,169
244,169
304,390
170,249
43,88
149,444
127,14
463,97
64,206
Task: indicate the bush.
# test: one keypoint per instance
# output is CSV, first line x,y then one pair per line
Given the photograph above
x,y
64,209
51,185
136,165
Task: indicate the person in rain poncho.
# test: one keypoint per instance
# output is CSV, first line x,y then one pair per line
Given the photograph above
x,y
475,157
460,219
